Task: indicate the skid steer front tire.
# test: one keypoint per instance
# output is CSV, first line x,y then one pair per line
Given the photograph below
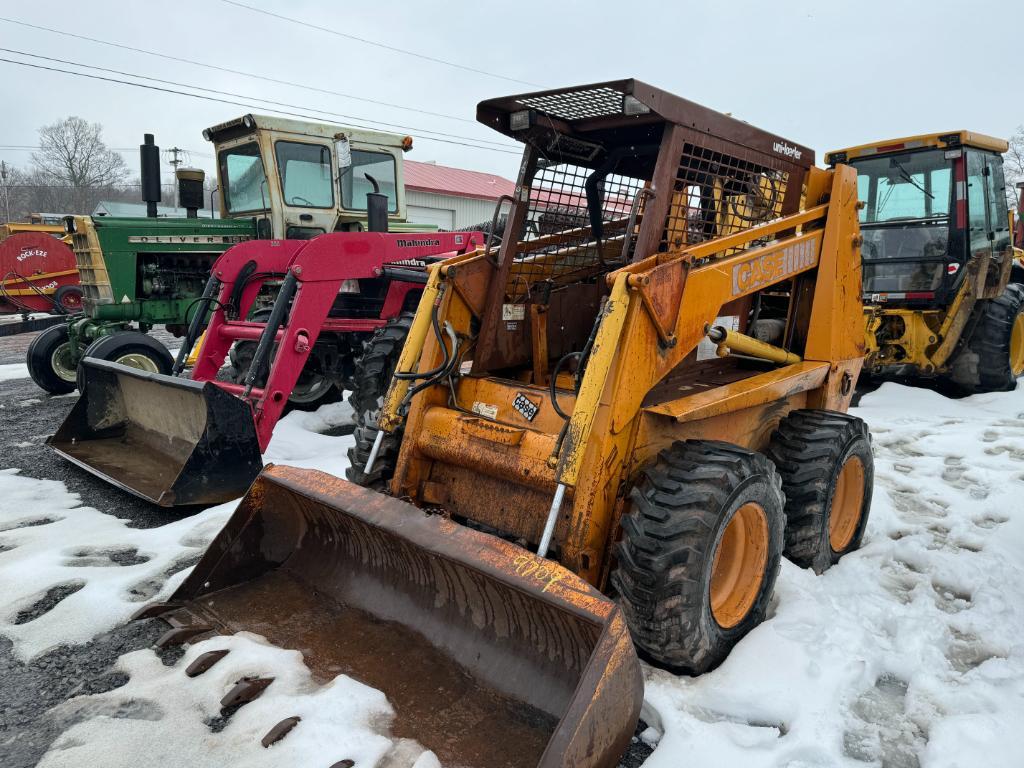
x,y
993,357
827,470
372,378
700,551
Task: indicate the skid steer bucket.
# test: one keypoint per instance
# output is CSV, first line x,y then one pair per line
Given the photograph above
x,y
169,440
489,655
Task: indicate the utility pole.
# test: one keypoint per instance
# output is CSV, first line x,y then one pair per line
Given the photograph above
x,y
175,163
7,192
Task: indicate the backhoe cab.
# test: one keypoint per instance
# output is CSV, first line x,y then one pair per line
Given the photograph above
x,y
938,260
302,179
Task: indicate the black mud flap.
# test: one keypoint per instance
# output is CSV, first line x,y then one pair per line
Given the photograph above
x,y
171,441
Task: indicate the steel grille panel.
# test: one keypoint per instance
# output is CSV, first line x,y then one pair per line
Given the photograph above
x,y
717,194
557,245
577,105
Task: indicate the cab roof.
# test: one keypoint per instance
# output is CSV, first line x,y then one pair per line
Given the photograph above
x,y
945,140
246,124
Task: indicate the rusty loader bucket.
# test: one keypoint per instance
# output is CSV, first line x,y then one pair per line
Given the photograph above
x,y
169,440
490,655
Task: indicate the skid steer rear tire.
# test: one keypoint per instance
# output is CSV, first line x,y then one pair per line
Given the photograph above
x,y
993,357
372,378
827,470
702,507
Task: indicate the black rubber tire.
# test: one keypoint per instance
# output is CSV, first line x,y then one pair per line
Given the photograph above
x,y
39,359
982,364
371,381
383,466
809,448
376,367
679,509
240,354
117,345
61,295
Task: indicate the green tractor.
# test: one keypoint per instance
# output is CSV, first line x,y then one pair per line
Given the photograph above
x,y
277,179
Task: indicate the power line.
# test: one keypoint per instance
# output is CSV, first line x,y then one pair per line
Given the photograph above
x,y
399,126
385,46
224,101
230,71
36,148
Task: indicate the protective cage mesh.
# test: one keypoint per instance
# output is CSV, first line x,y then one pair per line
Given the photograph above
x,y
558,244
718,193
577,105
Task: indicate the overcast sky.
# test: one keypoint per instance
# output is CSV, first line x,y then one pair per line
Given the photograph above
x,y
825,74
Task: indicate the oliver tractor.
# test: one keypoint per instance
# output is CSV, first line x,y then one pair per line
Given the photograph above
x,y
276,179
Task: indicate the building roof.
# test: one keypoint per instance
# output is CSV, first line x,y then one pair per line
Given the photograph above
x,y
442,180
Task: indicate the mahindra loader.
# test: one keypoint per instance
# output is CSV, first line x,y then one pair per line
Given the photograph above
x,y
607,432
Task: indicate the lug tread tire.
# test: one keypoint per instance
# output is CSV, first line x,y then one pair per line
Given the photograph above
x,y
376,366
982,364
669,537
809,448
38,359
371,380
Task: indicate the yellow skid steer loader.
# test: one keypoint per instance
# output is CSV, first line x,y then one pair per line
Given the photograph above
x,y
604,432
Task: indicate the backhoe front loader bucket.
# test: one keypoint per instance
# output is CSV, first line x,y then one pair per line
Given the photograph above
x,y
489,654
169,440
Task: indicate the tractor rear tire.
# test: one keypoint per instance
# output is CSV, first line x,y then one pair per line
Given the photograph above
x,y
376,367
827,471
133,349
372,379
50,360
993,357
700,551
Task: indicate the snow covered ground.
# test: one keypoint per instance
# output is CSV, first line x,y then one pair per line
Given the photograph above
x,y
908,653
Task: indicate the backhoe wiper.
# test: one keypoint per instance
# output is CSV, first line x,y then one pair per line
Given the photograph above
x,y
907,177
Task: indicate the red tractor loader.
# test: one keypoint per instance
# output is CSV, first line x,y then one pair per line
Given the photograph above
x,y
178,441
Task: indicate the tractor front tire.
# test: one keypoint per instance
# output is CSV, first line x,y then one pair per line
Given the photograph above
x,y
133,349
51,360
700,551
993,357
827,470
372,379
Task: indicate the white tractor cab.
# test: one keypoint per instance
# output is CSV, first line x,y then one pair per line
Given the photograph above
x,y
301,179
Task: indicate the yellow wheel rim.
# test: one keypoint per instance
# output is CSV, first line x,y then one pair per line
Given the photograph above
x,y
140,361
738,569
847,503
1017,346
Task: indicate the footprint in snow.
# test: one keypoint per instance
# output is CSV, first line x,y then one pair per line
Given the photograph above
x,y
99,557
966,651
31,522
990,520
880,729
949,598
146,589
47,601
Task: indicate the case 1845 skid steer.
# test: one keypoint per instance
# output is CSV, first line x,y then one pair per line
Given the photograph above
x,y
647,403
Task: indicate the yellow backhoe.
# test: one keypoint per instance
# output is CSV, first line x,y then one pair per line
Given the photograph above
x,y
603,433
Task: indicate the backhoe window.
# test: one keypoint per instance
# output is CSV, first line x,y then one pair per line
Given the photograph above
x,y
241,173
905,221
355,185
306,174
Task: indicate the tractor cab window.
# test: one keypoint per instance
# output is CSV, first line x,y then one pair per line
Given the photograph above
x,y
354,184
306,174
243,180
905,221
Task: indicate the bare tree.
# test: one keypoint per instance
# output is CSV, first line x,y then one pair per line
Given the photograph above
x,y
75,166
1013,164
